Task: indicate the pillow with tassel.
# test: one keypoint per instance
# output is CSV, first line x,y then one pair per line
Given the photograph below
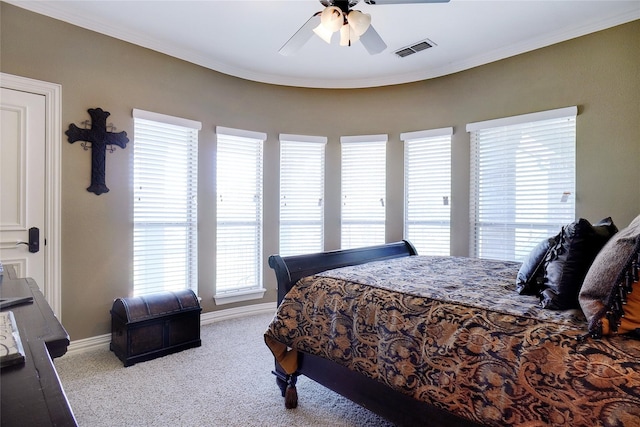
x,y
610,293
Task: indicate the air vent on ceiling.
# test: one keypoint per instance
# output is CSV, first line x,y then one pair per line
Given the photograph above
x,y
415,48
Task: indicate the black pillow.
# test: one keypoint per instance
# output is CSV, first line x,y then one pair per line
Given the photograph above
x,y
531,274
568,260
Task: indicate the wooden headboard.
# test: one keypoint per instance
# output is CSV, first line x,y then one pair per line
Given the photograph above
x,y
292,268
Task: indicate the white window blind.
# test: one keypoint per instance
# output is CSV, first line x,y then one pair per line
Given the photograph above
x,y
427,177
522,181
302,161
238,211
165,205
363,190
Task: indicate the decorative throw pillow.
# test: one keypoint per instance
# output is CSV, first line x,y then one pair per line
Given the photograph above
x,y
606,297
569,259
531,273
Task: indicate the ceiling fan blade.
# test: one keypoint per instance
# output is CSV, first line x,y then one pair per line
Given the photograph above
x,y
372,41
376,2
301,36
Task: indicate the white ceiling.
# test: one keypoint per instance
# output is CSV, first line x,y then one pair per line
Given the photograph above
x,y
242,38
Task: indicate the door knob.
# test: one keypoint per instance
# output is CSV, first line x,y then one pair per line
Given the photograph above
x,y
34,240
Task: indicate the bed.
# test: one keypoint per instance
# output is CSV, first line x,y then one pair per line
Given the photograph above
x,y
424,340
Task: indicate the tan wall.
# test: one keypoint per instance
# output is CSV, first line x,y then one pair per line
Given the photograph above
x,y
598,73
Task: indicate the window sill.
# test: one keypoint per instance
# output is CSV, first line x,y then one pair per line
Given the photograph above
x,y
232,297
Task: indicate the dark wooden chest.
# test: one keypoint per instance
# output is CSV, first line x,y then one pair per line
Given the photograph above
x,y
154,325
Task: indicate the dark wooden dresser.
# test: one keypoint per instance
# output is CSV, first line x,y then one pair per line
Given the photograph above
x,y
31,391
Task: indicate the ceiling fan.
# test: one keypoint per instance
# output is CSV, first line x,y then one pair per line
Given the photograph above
x,y
353,25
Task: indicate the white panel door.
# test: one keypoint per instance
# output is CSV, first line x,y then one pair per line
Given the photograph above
x,y
22,181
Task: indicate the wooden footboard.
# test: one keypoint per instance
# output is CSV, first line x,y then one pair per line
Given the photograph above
x,y
397,407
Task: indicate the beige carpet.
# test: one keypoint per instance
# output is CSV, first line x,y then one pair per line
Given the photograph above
x,y
226,382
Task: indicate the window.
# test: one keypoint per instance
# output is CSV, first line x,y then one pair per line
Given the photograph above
x,y
165,205
427,186
363,190
522,181
301,194
238,215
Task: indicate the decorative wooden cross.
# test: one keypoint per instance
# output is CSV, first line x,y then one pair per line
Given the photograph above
x,y
99,138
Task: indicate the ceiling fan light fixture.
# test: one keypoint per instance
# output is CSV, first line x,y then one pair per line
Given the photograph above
x,y
347,36
324,33
359,22
351,25
331,20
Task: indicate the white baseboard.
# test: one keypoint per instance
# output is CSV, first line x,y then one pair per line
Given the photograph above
x,y
102,341
232,313
92,343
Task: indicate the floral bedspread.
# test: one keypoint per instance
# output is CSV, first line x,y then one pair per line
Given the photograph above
x,y
453,332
